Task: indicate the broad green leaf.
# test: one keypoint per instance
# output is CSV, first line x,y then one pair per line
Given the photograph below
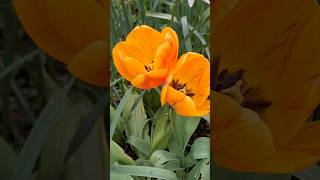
x,y
91,160
137,121
87,125
201,171
37,136
55,149
140,144
165,160
184,127
143,171
118,155
200,149
162,131
8,159
116,176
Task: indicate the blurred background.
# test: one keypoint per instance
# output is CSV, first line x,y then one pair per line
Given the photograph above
x,y
52,126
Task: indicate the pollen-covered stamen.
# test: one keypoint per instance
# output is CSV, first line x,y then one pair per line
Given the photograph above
x,y
182,87
148,67
233,85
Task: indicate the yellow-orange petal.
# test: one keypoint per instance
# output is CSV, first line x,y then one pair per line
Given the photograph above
x,y
304,139
103,3
187,107
221,9
172,96
129,67
243,142
190,68
171,36
125,49
162,56
150,79
63,28
147,40
91,64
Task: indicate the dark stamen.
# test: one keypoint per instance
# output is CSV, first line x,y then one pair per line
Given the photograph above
x,y
252,96
182,87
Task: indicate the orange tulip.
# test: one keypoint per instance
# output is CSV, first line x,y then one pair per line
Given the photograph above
x,y
74,32
187,88
146,56
268,85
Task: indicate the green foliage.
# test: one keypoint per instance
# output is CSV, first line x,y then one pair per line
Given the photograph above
x,y
149,140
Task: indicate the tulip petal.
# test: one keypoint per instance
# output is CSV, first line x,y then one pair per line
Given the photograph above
x,y
91,64
125,49
278,46
150,79
304,139
63,28
221,8
261,28
188,107
243,142
297,90
162,56
171,37
190,68
147,40
183,104
129,67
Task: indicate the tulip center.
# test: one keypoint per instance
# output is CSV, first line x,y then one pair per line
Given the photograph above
x,y
233,85
181,87
148,67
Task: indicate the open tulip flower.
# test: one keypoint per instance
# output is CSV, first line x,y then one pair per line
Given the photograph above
x,y
267,85
74,32
146,56
187,88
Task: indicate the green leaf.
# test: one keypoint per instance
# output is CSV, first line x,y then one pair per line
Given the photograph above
x,y
55,149
184,127
37,136
140,144
201,171
87,125
165,160
143,171
17,63
162,131
91,159
116,118
8,159
161,16
117,176
200,148
136,123
185,31
118,155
